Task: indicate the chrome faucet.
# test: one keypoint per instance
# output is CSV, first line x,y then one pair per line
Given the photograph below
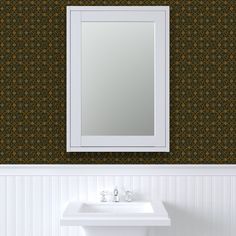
x,y
116,195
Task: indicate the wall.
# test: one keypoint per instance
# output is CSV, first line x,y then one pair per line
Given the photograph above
x,y
201,201
33,84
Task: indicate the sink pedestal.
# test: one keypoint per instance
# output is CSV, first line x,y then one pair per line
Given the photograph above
x,y
115,231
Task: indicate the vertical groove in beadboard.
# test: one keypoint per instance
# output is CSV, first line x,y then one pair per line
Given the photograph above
x,y
59,204
127,183
50,213
219,203
37,206
44,205
167,187
159,188
171,196
100,185
72,182
109,183
213,203
28,207
136,188
71,198
20,205
55,205
208,204
144,187
83,195
92,188
76,186
164,186
64,193
11,206
199,183
226,204
173,190
202,199
3,211
190,202
153,189
233,206
180,202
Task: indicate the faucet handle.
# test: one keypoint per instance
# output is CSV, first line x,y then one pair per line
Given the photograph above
x,y
103,196
128,196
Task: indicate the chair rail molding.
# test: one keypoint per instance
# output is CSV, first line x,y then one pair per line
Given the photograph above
x,y
122,170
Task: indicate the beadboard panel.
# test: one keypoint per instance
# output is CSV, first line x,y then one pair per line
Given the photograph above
x,y
198,205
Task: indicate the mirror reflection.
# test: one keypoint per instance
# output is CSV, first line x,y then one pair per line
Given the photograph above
x,y
117,78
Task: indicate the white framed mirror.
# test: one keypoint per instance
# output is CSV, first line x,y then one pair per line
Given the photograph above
x,y
118,79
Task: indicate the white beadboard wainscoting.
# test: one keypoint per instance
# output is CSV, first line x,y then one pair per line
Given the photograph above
x,y
200,200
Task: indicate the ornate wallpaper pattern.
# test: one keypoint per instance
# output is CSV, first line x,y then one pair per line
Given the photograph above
x,y
33,84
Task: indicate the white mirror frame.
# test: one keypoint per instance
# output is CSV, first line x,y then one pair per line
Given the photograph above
x,y
159,15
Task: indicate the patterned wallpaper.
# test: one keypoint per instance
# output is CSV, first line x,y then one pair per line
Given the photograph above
x,y
33,84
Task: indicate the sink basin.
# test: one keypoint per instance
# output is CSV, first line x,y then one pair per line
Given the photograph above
x,y
116,208
112,214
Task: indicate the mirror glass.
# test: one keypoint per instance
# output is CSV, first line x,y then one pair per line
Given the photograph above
x,y
117,78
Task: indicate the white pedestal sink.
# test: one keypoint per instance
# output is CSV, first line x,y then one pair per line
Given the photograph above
x,y
115,219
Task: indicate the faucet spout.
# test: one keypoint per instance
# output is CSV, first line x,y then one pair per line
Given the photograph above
x,y
116,195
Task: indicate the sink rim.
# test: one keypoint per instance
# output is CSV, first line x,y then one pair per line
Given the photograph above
x,y
71,215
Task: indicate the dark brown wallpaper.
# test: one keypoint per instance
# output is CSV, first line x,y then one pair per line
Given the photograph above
x,y
33,84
